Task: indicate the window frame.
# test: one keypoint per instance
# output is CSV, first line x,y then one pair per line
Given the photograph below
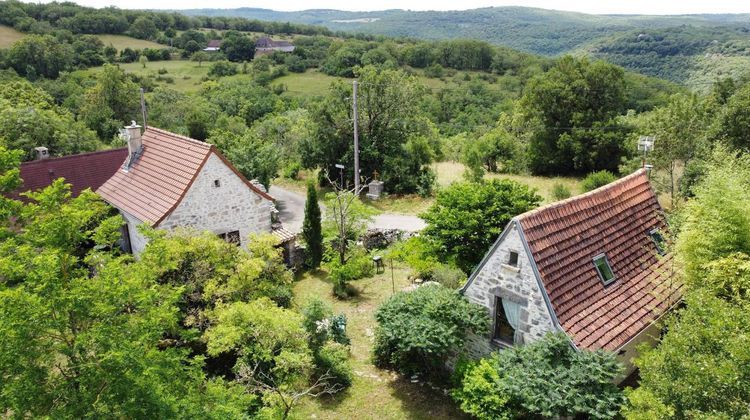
x,y
513,262
658,244
496,338
599,272
234,239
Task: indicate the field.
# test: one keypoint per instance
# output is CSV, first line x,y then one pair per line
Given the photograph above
x,y
378,393
121,42
309,83
8,36
186,75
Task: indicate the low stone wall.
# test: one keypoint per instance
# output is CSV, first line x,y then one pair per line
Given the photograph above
x,y
382,238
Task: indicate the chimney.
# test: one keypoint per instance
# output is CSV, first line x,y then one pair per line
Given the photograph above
x,y
134,139
41,152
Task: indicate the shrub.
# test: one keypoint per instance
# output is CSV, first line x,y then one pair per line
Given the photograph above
x,y
595,180
357,266
418,330
333,359
544,379
560,192
449,277
291,171
222,68
162,71
418,253
434,71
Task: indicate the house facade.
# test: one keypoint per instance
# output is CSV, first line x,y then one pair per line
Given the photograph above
x,y
169,181
592,266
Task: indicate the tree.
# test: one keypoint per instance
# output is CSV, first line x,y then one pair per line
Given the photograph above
x,y
418,330
312,232
467,217
598,179
36,56
733,125
547,378
346,219
143,60
255,157
571,111
200,57
680,130
143,28
396,138
238,47
111,103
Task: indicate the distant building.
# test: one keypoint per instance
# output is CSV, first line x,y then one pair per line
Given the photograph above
x,y
213,45
169,181
592,266
85,170
268,46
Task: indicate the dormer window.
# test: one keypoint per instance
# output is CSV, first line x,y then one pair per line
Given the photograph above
x,y
513,259
217,183
601,263
659,242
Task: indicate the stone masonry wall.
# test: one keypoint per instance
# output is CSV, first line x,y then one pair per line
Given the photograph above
x,y
517,284
137,241
230,206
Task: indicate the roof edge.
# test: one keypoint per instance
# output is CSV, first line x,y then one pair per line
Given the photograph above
x,y
587,194
187,187
488,255
73,156
255,189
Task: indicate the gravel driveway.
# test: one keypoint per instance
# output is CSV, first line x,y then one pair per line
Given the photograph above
x,y
291,206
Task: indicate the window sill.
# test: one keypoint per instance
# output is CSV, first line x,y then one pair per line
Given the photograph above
x,y
511,268
500,344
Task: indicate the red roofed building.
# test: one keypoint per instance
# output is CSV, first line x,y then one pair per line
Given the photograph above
x,y
593,266
168,181
86,170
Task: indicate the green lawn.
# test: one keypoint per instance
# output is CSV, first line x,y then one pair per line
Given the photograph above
x,y
375,393
121,42
8,36
309,83
186,74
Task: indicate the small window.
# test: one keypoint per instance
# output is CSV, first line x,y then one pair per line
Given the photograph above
x,y
658,241
504,330
232,237
604,269
217,183
513,259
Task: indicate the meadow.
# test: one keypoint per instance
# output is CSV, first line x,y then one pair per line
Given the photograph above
x,y
8,36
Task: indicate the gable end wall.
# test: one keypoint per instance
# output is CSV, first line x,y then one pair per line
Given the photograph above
x,y
231,206
519,284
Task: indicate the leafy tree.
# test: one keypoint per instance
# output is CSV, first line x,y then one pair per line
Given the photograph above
x,y
111,103
572,113
143,28
495,151
36,56
255,157
312,232
395,137
467,217
200,57
222,68
733,125
346,220
547,378
595,180
417,331
238,47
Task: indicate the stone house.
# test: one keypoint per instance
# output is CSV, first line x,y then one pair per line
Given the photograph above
x,y
213,45
169,181
267,46
593,266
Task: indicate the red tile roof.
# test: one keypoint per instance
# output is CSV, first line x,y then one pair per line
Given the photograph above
x,y
86,170
161,176
616,219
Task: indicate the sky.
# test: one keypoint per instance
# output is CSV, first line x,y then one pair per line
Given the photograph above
x,y
655,7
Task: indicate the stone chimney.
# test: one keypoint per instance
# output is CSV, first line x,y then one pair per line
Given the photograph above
x,y
134,139
41,153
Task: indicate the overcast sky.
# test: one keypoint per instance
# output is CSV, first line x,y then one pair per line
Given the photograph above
x,y
586,6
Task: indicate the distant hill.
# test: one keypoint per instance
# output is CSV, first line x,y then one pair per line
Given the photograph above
x,y
686,48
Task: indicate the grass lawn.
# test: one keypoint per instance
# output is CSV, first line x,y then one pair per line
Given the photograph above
x,y
186,74
375,393
121,42
309,83
8,36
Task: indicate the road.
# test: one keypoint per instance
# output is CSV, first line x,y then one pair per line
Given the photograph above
x,y
291,206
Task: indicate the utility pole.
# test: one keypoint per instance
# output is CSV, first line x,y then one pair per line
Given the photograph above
x,y
356,136
143,110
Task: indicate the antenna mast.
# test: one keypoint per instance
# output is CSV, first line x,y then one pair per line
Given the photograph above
x,y
143,110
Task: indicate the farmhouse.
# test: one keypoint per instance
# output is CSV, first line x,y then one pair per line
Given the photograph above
x,y
268,46
213,45
593,266
169,181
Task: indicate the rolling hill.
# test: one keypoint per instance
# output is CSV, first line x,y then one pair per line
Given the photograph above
x,y
689,49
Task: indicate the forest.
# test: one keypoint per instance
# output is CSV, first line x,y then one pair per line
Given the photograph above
x,y
465,133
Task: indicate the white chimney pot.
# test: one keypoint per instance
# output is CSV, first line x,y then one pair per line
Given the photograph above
x,y
134,138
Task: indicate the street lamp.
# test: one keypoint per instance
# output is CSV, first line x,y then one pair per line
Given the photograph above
x,y
341,174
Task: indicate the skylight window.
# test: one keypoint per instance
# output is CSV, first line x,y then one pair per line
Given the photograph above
x,y
604,269
659,241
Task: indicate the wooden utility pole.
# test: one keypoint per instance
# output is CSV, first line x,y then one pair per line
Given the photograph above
x,y
356,136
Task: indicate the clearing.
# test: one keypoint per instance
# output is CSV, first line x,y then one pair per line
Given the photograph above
x,y
375,393
185,76
8,36
121,42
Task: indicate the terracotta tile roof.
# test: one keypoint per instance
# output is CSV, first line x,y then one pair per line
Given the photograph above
x,y
86,170
616,220
161,176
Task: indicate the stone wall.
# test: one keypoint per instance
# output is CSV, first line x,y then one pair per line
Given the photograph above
x,y
517,284
137,241
228,207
